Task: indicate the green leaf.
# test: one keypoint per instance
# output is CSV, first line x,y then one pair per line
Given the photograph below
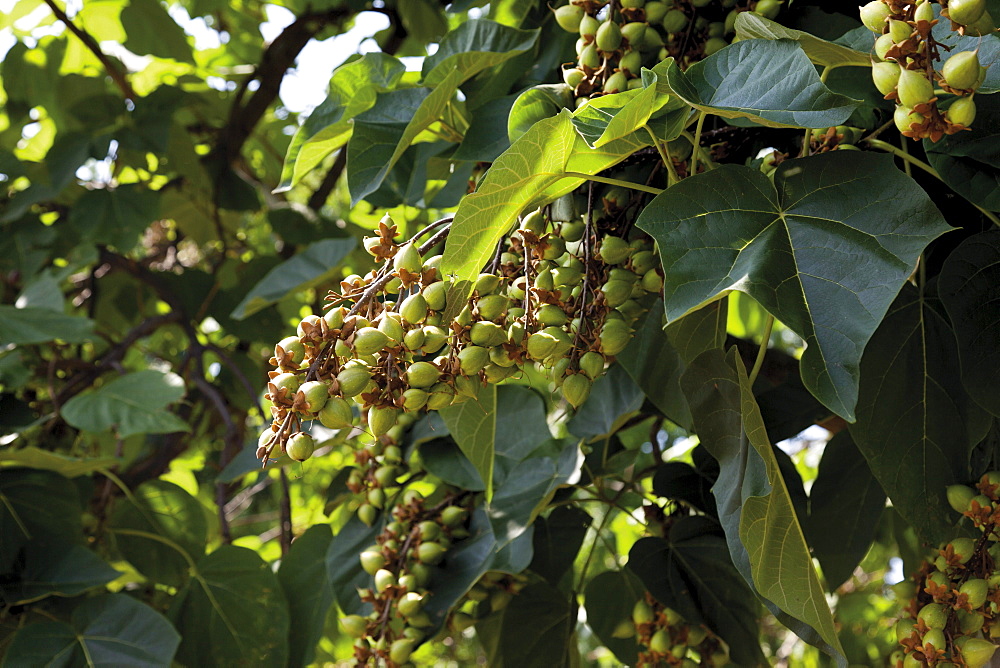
x,y
353,89
22,326
609,599
845,504
131,404
382,133
739,82
150,30
557,540
689,571
56,569
968,282
443,458
613,399
914,415
535,629
303,578
656,367
36,505
166,510
536,104
314,265
699,331
109,630
796,246
473,425
115,217
969,162
486,137
232,613
754,26
423,20
71,467
474,46
682,482
764,536
343,568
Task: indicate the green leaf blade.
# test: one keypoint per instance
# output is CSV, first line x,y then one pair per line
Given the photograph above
x,y
750,25
30,325
473,425
132,404
474,46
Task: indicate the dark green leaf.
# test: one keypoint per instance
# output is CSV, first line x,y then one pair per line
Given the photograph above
x,y
845,504
719,85
115,217
609,599
303,577
612,401
968,283
750,25
232,612
150,30
22,326
36,505
442,458
109,630
682,482
131,404
314,265
486,137
557,540
969,162
751,495
56,569
473,425
795,246
690,572
474,46
344,572
165,510
913,414
535,629
699,331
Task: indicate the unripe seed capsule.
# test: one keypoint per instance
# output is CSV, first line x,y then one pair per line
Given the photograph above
x,y
422,375
569,17
293,348
430,553
900,31
616,83
452,516
885,76
576,389
962,111
353,379
924,12
904,117
369,340
381,420
966,12
609,37
413,310
913,88
300,446
408,258
436,295
588,27
882,46
961,70
874,15
314,395
675,21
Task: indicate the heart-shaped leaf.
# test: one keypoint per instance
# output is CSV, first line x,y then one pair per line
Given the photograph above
x,y
609,599
474,46
750,25
303,578
132,404
738,82
824,248
473,425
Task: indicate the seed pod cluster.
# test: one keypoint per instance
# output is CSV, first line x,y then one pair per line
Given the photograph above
x,y
911,66
616,40
953,612
667,640
492,593
401,563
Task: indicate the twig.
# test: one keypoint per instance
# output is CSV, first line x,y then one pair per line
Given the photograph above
x,y
321,194
286,513
88,41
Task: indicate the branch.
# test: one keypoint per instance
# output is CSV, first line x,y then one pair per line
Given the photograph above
x,y
88,41
319,197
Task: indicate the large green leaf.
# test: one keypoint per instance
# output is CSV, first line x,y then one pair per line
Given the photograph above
x,y
166,510
764,536
558,537
132,404
232,612
914,425
968,283
520,174
750,25
343,568
109,630
473,425
71,467
825,248
689,570
22,326
475,46
739,81
55,569
303,578
115,217
535,629
614,398
609,599
536,104
845,504
314,265
969,162
150,30
353,89
36,505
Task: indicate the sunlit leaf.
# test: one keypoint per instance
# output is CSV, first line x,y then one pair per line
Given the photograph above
x,y
132,404
750,25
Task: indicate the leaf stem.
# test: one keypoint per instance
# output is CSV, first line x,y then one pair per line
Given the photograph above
x,y
667,162
765,339
916,162
696,143
695,148
614,182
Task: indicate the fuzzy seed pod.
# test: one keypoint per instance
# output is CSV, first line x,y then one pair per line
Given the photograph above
x,y
874,15
292,348
353,379
962,111
300,446
961,70
336,413
913,88
569,17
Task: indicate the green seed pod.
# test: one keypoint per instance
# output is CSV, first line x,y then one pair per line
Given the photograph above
x,y
981,28
384,579
534,222
634,32
959,497
353,379
913,88
589,26
563,341
487,334
393,455
441,396
408,258
287,381
369,340
615,335
569,17
410,604
576,389
354,625
882,46
899,31
414,339
436,295
935,638
422,375
414,399
391,326
413,310
434,338
540,345
977,652
573,77
492,307
656,10
961,70
472,359
963,548
314,395
308,324
551,315
616,292
499,357
566,276
934,615
592,364
609,37
372,560
464,317
714,45
675,21
962,111
652,281
376,498
430,553
544,281
614,250
885,76
452,516
300,446
494,373
291,346
642,613
487,284
400,651
924,12
660,642
966,12
904,628
559,370
630,64
616,83
381,420
905,117
976,589
367,514
386,476
768,8
874,15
